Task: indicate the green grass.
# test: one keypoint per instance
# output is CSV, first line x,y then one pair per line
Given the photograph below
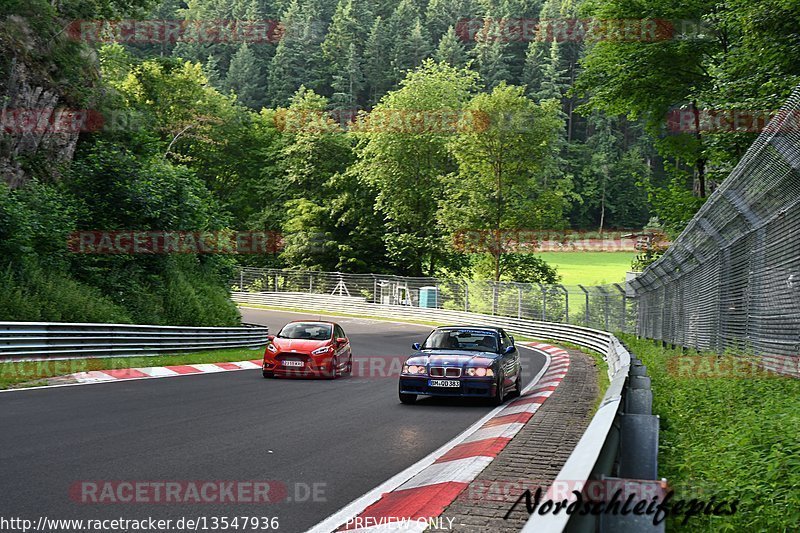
x,y
33,373
731,436
590,268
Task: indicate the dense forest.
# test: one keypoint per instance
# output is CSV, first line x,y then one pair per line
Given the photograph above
x,y
367,133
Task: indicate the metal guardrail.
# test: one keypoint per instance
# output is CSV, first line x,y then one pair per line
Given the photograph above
x,y
34,340
622,437
618,451
607,307
591,338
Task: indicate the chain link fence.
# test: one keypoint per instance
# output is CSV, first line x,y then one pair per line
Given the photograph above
x,y
731,282
606,307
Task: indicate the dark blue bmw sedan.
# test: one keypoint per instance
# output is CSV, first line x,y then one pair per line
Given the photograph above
x,y
463,361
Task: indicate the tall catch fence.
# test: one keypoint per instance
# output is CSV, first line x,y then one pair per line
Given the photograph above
x,y
731,281
607,307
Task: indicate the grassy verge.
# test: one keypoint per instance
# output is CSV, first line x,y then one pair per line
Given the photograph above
x,y
34,373
729,435
590,268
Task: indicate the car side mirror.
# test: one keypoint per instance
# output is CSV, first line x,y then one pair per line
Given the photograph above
x,y
341,340
508,349
513,342
270,338
416,346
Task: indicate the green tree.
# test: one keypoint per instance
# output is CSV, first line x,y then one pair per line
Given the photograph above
x,y
411,49
734,54
376,58
315,154
611,179
441,15
298,57
407,166
243,78
343,48
492,59
348,84
498,186
211,72
451,50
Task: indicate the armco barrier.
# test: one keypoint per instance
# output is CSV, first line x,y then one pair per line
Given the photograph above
x,y
40,340
621,439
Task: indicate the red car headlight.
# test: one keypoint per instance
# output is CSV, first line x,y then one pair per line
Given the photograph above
x,y
320,351
271,347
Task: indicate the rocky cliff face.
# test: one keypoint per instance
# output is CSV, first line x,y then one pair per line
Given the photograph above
x,y
39,126
36,127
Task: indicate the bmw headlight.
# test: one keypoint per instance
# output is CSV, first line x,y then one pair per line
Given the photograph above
x,y
480,372
414,369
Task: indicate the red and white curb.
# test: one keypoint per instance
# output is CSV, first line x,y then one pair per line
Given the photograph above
x,y
412,500
96,376
150,372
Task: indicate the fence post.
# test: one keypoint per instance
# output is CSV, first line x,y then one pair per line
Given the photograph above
x,y
466,297
566,303
544,303
586,309
622,294
519,301
241,279
603,291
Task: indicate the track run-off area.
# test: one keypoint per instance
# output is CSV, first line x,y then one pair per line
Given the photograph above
x,y
319,443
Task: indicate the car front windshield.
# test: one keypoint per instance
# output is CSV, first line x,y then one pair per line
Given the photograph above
x,y
306,331
462,339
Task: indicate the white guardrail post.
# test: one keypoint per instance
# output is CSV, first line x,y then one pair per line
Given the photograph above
x,y
621,440
52,340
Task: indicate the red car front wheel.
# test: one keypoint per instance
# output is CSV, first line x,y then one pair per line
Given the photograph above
x,y
334,371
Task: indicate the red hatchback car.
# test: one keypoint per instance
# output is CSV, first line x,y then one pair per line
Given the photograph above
x,y
306,348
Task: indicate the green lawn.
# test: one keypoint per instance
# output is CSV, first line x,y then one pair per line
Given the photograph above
x,y
590,268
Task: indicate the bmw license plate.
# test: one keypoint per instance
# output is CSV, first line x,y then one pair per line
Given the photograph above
x,y
293,363
450,383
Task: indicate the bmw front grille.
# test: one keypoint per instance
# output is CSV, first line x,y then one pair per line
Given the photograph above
x,y
445,372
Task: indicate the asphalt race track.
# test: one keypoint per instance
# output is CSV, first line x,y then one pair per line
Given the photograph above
x,y
336,438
